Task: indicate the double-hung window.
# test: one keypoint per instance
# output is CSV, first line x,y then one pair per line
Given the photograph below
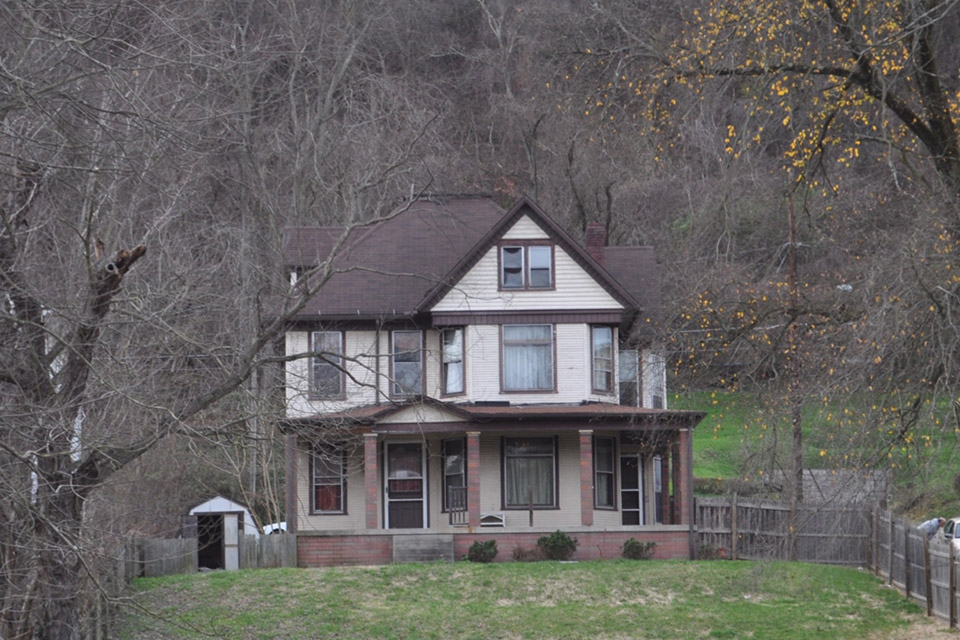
x,y
407,363
529,472
327,364
526,267
329,480
602,345
454,475
604,473
528,357
452,356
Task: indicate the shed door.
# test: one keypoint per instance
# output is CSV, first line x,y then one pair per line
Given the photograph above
x,y
405,487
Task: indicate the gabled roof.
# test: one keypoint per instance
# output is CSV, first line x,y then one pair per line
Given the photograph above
x,y
404,264
386,268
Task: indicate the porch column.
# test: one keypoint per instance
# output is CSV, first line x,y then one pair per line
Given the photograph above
x,y
290,493
473,479
370,483
665,486
586,477
676,469
686,477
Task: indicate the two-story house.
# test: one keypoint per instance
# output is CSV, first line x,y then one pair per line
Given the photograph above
x,y
473,373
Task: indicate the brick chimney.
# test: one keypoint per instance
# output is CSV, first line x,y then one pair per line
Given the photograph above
x,y
596,240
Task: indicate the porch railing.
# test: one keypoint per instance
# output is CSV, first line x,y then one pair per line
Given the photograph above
x,y
457,506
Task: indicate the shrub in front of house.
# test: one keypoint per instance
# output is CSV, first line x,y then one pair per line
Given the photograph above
x,y
534,554
557,546
484,551
633,549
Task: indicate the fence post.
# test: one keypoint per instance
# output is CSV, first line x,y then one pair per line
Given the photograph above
x,y
953,587
927,580
869,540
733,526
890,550
906,557
876,540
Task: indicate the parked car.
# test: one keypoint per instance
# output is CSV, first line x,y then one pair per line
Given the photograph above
x,y
949,533
275,527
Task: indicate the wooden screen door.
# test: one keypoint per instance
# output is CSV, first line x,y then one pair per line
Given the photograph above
x,y
404,485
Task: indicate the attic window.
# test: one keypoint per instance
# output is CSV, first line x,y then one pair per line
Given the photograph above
x,y
526,266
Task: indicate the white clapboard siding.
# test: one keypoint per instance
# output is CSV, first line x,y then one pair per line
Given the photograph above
x,y
359,347
478,289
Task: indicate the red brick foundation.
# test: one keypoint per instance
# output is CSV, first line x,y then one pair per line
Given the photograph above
x,y
326,551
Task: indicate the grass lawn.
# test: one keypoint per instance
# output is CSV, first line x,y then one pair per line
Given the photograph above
x,y
612,599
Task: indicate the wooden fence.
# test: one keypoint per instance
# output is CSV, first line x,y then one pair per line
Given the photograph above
x,y
757,529
891,547
154,557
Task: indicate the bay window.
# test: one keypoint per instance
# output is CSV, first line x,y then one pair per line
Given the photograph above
x,y
529,472
452,357
602,346
528,357
407,363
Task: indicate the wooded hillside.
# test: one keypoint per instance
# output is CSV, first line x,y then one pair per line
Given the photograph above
x,y
795,164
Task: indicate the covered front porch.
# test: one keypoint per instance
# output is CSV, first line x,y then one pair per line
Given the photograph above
x,y
602,473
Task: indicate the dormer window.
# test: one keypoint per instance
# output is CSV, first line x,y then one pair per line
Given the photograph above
x,y
526,266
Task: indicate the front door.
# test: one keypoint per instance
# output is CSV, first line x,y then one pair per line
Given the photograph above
x,y
405,487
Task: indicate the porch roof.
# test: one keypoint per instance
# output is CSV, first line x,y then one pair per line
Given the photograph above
x,y
497,416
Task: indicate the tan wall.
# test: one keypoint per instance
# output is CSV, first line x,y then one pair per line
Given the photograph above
x,y
567,516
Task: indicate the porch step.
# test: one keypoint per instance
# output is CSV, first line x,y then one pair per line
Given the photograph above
x,y
423,548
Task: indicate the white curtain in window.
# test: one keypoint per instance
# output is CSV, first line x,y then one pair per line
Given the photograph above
x,y
528,357
453,360
529,478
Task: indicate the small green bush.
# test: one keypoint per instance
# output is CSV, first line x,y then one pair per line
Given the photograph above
x,y
633,549
557,546
482,551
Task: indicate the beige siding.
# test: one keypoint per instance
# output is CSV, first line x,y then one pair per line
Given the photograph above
x,y
478,289
491,496
355,518
420,414
525,229
361,366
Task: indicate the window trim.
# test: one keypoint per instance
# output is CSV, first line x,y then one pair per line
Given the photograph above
x,y
330,450
525,264
614,461
556,474
313,393
612,373
395,390
443,468
553,358
463,362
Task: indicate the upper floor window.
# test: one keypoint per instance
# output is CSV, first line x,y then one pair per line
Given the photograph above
x,y
526,267
327,376
329,480
452,356
528,357
407,363
602,345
